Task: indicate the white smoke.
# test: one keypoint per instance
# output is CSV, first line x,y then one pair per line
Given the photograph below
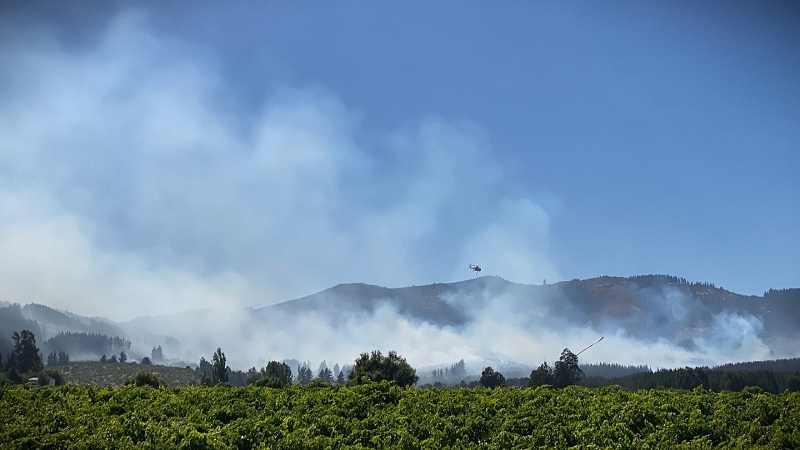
x,y
127,188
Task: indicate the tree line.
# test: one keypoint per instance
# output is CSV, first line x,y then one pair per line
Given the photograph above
x,y
24,362
717,380
369,367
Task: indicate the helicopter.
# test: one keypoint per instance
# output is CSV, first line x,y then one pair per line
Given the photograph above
x,y
475,269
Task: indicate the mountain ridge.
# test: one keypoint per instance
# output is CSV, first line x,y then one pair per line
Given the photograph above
x,y
691,317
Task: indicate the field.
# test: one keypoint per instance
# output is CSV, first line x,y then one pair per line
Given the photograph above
x,y
116,374
381,415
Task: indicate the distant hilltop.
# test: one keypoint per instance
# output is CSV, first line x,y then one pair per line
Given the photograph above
x,y
694,320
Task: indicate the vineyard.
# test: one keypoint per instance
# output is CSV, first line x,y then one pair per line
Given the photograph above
x,y
103,375
382,415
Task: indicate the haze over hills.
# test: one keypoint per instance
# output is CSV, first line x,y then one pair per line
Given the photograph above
x,y
655,320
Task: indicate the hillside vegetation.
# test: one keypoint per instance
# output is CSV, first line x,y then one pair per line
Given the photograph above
x,y
108,374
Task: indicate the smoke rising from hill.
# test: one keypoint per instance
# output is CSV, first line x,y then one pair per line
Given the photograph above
x,y
504,323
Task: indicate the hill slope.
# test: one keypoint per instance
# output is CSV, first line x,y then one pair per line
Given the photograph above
x,y
638,305
655,320
100,374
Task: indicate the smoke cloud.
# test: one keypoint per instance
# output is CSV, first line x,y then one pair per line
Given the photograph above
x,y
130,186
504,325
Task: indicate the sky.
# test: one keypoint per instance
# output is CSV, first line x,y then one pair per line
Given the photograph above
x,y
164,156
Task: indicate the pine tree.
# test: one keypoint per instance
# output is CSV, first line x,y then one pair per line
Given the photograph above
x,y
304,375
157,354
219,370
25,355
326,375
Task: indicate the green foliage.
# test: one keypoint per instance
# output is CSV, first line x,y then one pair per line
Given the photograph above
x,y
86,343
384,415
793,383
54,375
732,381
374,367
219,369
275,374
304,375
325,374
567,372
541,376
14,376
146,379
60,358
688,378
25,354
491,379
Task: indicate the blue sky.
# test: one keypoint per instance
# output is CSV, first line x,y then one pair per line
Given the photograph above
x,y
167,156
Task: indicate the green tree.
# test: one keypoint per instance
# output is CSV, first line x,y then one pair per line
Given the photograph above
x,y
219,369
732,381
146,379
45,376
491,379
567,371
793,383
14,376
205,370
376,367
157,354
304,375
122,356
542,375
146,361
325,374
275,374
54,375
25,355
